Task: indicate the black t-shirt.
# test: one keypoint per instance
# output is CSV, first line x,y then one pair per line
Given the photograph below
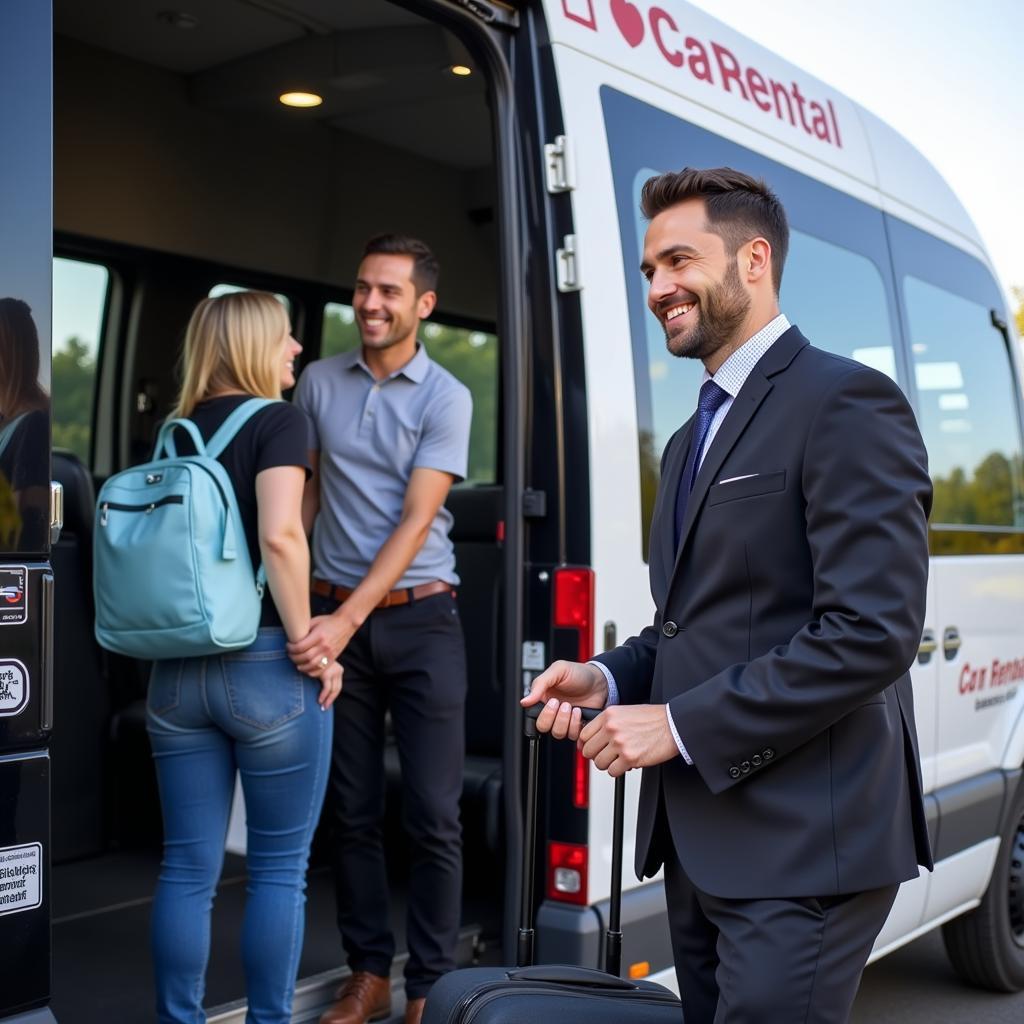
x,y
25,473
278,435
25,460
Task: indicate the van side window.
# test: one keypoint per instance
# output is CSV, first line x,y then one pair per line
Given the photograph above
x,y
838,300
969,419
469,355
79,303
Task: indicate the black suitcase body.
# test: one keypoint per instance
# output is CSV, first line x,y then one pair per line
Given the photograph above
x,y
547,994
553,993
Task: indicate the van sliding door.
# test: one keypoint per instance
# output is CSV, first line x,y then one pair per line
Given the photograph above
x,y
26,583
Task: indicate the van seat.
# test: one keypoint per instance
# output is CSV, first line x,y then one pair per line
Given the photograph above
x,y
80,693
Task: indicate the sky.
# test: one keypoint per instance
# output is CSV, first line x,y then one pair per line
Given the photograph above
x,y
948,75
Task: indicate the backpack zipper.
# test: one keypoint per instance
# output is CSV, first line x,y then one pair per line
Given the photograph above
x,y
170,499
174,499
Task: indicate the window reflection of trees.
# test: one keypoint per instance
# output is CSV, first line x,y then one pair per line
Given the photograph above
x,y
650,476
991,497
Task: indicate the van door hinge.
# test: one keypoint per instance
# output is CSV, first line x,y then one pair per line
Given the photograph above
x,y
535,504
559,165
567,266
492,13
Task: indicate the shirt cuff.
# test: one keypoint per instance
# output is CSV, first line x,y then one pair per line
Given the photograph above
x,y
613,690
675,736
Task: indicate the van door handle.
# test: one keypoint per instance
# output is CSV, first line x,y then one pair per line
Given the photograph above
x,y
951,642
927,647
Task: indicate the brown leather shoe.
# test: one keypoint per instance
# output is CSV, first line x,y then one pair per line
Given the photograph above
x,y
363,997
414,1010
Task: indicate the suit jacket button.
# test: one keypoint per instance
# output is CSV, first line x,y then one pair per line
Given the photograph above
x,y
734,772
756,761
767,753
669,628
745,767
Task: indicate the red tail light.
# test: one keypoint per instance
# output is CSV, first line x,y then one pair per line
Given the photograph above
x,y
580,781
567,873
574,606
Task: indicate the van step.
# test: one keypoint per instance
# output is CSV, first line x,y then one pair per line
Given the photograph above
x,y
314,994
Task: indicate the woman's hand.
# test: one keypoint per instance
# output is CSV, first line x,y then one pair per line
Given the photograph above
x,y
328,636
330,685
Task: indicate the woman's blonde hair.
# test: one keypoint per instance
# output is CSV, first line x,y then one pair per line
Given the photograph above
x,y
233,343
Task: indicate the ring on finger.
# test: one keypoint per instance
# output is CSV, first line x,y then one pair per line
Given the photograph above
x,y
325,661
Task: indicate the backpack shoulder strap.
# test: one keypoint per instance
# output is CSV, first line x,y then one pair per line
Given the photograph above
x,y
165,439
234,423
8,431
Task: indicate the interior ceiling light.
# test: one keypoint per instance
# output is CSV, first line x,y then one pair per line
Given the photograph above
x,y
461,70
300,99
178,19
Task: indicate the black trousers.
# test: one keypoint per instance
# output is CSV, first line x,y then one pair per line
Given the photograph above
x,y
770,961
409,660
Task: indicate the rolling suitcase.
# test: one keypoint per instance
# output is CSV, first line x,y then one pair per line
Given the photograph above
x,y
526,994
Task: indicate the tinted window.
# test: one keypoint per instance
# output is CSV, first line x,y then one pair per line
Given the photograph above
x,y
838,298
469,355
965,393
967,409
79,300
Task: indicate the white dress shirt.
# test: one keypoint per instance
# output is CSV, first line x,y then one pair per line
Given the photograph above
x,y
730,376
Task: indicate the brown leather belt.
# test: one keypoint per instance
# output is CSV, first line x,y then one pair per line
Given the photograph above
x,y
396,597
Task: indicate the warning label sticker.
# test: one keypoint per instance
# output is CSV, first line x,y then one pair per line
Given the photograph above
x,y
13,687
21,878
13,595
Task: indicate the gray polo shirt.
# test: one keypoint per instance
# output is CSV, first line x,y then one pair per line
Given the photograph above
x,y
371,435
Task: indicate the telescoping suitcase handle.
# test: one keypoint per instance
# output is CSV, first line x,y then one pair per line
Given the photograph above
x,y
613,936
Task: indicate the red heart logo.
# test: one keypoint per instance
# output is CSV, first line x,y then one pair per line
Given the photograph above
x,y
629,20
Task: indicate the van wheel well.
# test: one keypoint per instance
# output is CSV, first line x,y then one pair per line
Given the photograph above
x,y
986,945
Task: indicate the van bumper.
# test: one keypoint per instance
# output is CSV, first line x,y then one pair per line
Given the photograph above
x,y
575,935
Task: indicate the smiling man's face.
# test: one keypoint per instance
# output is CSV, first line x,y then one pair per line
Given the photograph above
x,y
695,289
388,309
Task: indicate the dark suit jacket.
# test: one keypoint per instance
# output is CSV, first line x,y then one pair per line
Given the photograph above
x,y
782,638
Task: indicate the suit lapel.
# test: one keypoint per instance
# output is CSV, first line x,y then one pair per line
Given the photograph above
x,y
746,403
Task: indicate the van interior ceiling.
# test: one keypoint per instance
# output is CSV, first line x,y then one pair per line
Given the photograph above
x,y
178,169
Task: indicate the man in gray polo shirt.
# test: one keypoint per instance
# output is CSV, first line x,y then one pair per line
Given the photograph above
x,y
393,433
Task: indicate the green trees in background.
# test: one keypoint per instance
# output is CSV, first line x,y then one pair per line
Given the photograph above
x,y
993,495
73,374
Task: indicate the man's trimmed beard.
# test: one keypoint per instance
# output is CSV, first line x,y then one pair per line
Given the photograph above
x,y
720,314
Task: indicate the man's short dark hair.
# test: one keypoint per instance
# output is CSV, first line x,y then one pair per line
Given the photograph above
x,y
425,268
738,206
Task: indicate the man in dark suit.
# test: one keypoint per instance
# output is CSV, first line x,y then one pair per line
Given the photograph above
x,y
769,702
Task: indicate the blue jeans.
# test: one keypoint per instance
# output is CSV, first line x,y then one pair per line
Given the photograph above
x,y
250,710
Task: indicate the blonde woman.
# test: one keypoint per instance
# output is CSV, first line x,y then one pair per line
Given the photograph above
x,y
250,710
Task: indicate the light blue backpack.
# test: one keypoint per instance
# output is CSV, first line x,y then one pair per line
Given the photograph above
x,y
172,575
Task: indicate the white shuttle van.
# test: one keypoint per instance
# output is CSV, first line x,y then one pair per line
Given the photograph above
x,y
514,138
